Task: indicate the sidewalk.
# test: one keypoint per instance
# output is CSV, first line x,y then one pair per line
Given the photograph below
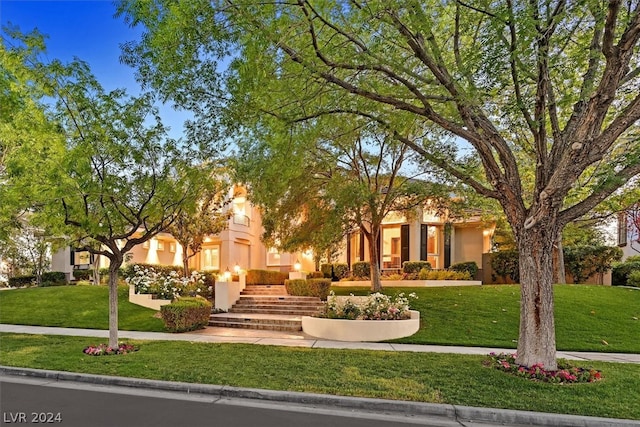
x,y
247,336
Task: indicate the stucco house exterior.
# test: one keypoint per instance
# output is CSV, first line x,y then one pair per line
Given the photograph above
x,y
629,232
426,236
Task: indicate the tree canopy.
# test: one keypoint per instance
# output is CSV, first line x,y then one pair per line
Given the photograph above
x,y
543,94
94,167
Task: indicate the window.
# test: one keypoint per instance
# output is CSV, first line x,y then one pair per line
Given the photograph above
x,y
391,256
210,257
622,229
273,257
145,244
172,247
160,245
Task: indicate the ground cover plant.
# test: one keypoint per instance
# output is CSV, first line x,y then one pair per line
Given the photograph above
x,y
424,377
74,307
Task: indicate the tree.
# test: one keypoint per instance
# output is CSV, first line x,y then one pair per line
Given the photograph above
x,y
204,217
553,81
332,178
107,178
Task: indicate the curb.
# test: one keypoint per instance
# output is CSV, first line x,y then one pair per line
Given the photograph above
x,y
451,412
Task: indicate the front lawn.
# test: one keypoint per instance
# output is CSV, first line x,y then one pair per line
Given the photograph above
x,y
588,318
74,307
423,377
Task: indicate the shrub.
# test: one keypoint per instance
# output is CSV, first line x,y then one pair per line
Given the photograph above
x,y
168,285
327,270
266,277
53,278
309,288
320,287
297,287
470,267
581,262
186,314
506,264
83,274
443,275
315,275
164,270
376,306
19,281
361,269
634,279
621,271
340,270
413,267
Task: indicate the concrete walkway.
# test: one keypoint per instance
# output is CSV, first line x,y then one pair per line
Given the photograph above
x,y
248,336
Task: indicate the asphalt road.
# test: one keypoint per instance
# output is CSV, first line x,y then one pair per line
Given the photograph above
x,y
28,401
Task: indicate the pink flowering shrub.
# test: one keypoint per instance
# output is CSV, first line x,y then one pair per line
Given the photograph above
x,y
566,373
105,350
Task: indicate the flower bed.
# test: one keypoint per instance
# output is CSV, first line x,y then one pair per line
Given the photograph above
x,y
566,373
105,350
376,317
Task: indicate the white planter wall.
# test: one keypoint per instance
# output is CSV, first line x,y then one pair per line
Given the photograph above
x,y
360,330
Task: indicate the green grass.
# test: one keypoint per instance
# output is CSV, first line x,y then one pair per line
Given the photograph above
x,y
424,377
74,307
485,316
488,316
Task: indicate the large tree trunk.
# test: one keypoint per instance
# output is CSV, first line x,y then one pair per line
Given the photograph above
x,y
114,265
376,284
537,340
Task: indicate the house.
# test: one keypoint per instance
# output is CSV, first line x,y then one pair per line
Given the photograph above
x,y
425,236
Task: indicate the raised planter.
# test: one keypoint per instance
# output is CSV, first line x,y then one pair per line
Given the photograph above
x,y
360,330
146,300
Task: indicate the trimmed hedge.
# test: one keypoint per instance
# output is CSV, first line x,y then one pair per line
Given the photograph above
x,y
469,267
361,269
53,278
186,314
309,288
315,275
426,274
340,270
83,274
414,267
266,277
19,281
326,270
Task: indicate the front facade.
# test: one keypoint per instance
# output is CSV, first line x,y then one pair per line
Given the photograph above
x,y
629,232
426,236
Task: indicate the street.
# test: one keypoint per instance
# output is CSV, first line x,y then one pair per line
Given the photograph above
x,y
28,401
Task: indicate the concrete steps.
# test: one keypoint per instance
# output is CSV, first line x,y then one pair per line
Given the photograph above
x,y
266,307
263,322
264,290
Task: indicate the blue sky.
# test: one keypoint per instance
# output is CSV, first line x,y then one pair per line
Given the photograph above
x,y
88,30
